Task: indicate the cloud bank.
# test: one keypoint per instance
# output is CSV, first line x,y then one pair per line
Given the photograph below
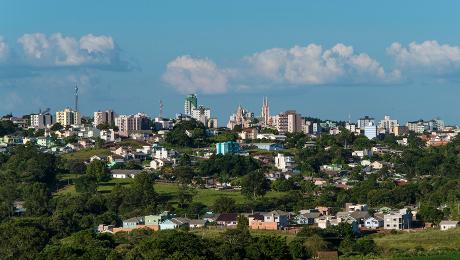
x,y
315,65
38,52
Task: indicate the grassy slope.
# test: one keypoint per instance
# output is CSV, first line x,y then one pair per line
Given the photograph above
x,y
428,240
170,190
85,154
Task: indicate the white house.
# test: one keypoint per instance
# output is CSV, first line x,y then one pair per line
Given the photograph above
x,y
373,223
284,162
157,164
124,174
448,224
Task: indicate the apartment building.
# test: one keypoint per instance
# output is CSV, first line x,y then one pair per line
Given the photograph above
x,y
41,121
68,117
104,117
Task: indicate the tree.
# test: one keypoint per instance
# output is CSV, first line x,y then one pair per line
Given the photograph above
x,y
224,204
36,197
172,244
86,184
184,174
429,213
254,184
22,240
99,170
83,244
56,127
315,243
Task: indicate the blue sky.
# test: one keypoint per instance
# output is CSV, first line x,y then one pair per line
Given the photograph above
x,y
326,60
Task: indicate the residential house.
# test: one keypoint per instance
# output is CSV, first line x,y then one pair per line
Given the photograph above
x,y
157,164
133,223
373,222
448,224
398,220
124,174
284,162
197,223
168,224
156,219
210,216
307,218
272,220
227,219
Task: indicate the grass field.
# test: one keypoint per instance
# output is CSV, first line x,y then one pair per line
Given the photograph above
x,y
426,245
169,190
428,240
208,196
213,233
85,154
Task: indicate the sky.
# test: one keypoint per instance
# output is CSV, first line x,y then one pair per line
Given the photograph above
x,y
327,59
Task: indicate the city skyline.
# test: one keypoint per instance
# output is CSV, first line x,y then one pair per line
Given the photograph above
x,y
351,61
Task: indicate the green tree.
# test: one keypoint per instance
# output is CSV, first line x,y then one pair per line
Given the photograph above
x,y
172,244
254,185
224,204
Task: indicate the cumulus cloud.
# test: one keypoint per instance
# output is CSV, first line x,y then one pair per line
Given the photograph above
x,y
427,57
299,65
3,49
59,50
190,75
312,65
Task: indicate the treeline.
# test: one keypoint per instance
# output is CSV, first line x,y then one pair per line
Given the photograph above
x,y
30,239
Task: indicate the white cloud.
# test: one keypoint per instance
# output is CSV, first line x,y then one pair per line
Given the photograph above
x,y
97,44
429,57
3,49
190,75
312,65
59,50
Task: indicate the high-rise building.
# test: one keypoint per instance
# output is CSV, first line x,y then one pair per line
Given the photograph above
x,y
191,102
265,115
68,117
388,124
104,117
128,124
289,122
41,121
364,121
201,114
370,131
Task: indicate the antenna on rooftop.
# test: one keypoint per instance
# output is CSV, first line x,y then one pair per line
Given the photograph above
x,y
76,97
161,109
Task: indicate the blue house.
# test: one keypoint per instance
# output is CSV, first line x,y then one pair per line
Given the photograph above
x,y
229,147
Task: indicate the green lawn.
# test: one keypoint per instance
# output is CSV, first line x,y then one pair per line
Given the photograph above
x,y
170,191
208,196
85,154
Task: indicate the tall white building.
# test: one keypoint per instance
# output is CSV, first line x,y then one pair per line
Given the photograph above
x,y
364,121
284,162
289,122
201,114
128,124
68,117
370,131
41,121
388,124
